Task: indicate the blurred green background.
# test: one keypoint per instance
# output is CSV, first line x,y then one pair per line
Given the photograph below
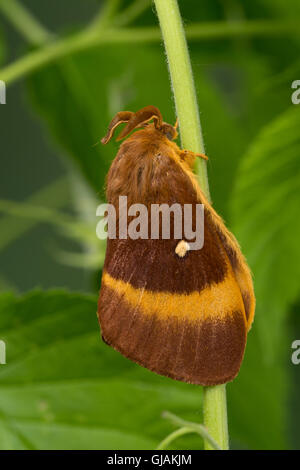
x,y
62,388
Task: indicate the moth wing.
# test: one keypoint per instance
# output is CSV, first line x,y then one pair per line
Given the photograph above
x,y
167,314
239,265
183,317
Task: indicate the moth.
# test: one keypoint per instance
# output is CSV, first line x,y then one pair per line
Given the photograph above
x,y
181,313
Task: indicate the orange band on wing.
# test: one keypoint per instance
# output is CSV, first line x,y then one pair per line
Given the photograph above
x,y
216,301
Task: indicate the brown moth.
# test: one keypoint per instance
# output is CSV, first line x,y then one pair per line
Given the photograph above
x,y
181,313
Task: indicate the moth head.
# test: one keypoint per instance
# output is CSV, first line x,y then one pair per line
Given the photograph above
x,y
169,130
137,120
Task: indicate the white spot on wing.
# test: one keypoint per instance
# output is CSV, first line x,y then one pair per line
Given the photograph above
x,y
181,248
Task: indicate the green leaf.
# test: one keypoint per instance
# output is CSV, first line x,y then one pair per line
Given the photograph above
x,y
265,208
257,411
63,388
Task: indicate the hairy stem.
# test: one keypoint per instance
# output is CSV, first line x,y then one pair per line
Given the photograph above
x,y
106,13
25,22
182,81
174,435
194,427
215,414
135,9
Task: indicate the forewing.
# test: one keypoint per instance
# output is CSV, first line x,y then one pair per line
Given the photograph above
x,y
183,317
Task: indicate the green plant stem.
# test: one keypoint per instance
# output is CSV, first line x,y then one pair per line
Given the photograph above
x,y
214,405
105,14
13,227
67,223
135,9
91,37
215,415
194,427
174,435
182,81
25,22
